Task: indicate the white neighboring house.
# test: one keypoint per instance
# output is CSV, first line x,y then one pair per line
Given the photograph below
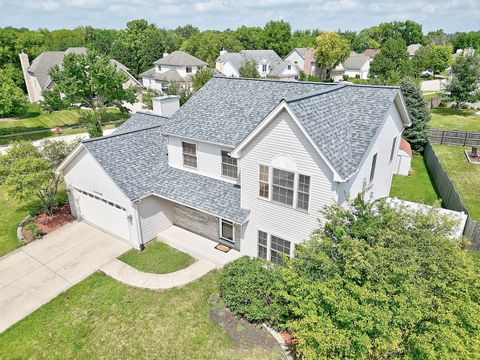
x,y
412,49
356,66
247,163
269,64
404,158
176,67
36,74
304,59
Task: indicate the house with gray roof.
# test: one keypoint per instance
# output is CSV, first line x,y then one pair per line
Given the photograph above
x,y
177,67
247,163
355,66
269,64
36,74
304,60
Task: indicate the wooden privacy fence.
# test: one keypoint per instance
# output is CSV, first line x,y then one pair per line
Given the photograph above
x,y
450,198
454,137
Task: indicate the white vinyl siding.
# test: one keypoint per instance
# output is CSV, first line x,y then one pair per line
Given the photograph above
x,y
381,145
156,215
282,137
209,159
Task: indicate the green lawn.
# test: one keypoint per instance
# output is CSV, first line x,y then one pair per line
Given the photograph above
x,y
49,134
38,120
418,187
11,213
158,258
455,119
464,175
102,318
429,95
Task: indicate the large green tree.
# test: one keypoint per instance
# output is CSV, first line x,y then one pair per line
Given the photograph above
x,y
12,99
374,282
201,78
27,172
435,58
417,133
330,50
465,84
392,62
278,36
248,69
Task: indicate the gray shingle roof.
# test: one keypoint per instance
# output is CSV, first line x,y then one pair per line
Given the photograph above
x,y
137,162
141,121
226,109
355,61
180,58
169,75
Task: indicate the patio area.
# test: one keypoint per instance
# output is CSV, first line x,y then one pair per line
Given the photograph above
x,y
196,245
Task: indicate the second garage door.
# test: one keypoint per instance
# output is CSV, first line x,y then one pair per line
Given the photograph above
x,y
104,214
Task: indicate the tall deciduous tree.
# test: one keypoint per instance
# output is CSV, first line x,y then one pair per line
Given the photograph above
x,y
465,84
392,62
435,58
417,133
278,36
12,98
330,51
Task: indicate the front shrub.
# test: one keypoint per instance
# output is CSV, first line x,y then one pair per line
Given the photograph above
x,y
250,288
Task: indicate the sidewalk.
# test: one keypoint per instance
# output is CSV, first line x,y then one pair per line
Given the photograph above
x,y
126,274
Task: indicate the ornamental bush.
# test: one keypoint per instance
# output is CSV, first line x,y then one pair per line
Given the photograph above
x,y
249,289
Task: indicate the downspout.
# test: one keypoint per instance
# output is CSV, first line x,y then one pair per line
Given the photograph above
x,y
137,220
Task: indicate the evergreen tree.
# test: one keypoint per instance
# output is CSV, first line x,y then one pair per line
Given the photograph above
x,y
417,133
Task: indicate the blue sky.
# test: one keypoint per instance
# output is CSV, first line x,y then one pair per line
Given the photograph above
x,y
451,15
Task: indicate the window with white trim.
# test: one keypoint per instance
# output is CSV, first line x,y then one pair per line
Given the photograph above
x,y
282,186
264,67
303,192
229,165
263,182
289,67
227,230
262,244
188,69
372,170
189,154
394,144
278,246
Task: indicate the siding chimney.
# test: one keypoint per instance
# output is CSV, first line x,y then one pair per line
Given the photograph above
x,y
166,105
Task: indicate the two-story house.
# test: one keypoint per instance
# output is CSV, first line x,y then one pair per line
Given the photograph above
x,y
177,67
248,163
268,63
304,59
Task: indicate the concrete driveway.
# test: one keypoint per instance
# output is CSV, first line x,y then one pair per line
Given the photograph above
x,y
36,273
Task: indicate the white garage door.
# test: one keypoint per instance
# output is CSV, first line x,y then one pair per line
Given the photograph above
x,y
106,215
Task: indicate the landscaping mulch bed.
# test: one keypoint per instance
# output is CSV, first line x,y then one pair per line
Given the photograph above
x,y
472,158
244,334
48,223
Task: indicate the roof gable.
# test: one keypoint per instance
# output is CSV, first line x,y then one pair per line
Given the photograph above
x,y
180,58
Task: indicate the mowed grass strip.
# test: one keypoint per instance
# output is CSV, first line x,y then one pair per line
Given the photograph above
x,y
455,119
11,214
157,258
464,175
102,318
418,187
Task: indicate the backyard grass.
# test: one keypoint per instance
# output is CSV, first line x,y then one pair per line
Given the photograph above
x,y
464,175
455,119
418,187
158,258
38,120
101,318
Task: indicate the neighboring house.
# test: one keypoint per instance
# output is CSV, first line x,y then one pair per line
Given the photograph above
x,y
304,59
355,66
464,52
269,64
404,159
371,53
36,74
412,49
248,163
177,67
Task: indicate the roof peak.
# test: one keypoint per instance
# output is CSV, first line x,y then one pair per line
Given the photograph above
x,y
316,93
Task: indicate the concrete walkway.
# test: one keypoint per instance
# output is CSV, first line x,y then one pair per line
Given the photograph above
x,y
128,275
36,273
